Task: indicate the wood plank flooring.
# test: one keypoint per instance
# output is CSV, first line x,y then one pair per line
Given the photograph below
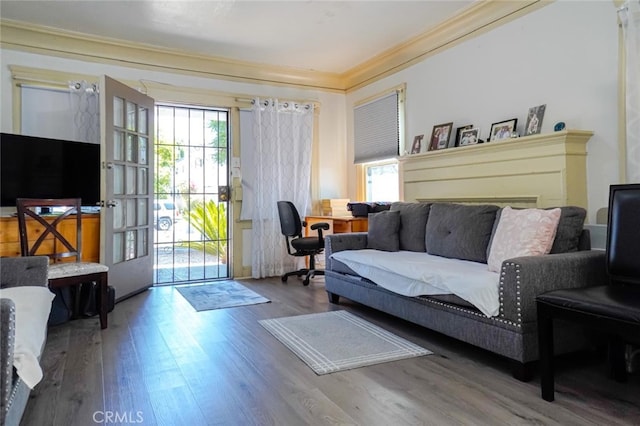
x,y
162,363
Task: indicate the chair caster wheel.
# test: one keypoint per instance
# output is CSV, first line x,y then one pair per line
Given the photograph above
x,y
305,281
283,278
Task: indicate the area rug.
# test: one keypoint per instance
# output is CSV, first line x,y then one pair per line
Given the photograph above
x,y
218,295
336,341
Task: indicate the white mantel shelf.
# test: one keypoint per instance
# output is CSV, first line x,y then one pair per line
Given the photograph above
x,y
534,171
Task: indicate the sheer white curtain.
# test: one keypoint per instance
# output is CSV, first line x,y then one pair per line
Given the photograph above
x,y
85,111
630,18
283,132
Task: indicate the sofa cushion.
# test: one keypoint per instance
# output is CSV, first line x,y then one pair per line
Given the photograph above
x,y
460,231
383,231
569,230
527,232
413,224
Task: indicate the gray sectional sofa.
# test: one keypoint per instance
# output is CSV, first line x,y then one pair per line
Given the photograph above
x,y
464,233
19,272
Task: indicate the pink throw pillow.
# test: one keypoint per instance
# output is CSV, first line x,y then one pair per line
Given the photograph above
x,y
528,232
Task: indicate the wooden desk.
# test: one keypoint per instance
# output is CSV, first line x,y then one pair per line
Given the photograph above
x,y
337,224
10,235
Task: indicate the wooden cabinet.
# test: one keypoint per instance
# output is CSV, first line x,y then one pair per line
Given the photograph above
x,y
10,236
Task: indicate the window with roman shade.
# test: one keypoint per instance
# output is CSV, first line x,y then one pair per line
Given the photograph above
x,y
377,128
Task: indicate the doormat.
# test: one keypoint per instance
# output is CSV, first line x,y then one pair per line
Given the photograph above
x,y
337,340
219,295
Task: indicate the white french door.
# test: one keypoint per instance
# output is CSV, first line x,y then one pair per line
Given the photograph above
x,y
127,125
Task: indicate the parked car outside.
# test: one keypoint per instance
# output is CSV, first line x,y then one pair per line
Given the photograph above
x,y
165,214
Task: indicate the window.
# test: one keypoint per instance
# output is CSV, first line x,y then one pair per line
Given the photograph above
x,y
378,140
381,181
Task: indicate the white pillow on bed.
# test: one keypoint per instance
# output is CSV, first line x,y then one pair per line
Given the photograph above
x,y
33,305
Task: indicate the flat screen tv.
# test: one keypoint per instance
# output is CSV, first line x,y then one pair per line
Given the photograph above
x,y
35,167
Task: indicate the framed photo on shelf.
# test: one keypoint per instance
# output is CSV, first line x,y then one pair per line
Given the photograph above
x,y
440,136
534,120
469,137
460,129
417,144
502,129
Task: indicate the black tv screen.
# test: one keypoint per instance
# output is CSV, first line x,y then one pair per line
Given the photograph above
x,y
34,167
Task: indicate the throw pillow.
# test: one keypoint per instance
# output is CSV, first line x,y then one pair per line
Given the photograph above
x,y
569,230
383,231
413,224
527,232
460,231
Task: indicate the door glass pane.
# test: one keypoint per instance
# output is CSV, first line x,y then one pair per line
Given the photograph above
x,y
130,245
118,112
143,182
142,121
143,249
118,247
118,179
130,212
118,216
131,148
118,145
131,181
142,150
131,116
142,212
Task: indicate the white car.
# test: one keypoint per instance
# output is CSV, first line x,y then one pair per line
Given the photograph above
x,y
165,214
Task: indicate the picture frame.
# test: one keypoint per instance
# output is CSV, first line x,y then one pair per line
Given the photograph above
x,y
469,136
503,129
417,144
440,136
460,129
534,120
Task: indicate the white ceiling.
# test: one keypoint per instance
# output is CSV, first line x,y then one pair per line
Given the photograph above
x,y
329,36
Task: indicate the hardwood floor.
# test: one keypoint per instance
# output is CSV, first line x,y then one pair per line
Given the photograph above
x,y
162,363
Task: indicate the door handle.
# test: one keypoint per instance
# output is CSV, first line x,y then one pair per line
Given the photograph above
x,y
112,203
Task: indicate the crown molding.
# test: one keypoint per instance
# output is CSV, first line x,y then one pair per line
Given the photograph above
x,y
480,17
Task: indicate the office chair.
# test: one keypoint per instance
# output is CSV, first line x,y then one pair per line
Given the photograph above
x,y
291,227
613,307
41,234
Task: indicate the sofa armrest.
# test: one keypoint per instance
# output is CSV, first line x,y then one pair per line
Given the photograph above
x,y
7,348
24,271
524,278
339,242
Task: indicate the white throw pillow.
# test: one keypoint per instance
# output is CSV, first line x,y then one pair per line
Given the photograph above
x,y
33,305
527,232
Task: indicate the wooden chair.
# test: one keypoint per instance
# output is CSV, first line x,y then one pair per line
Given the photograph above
x,y
614,307
40,235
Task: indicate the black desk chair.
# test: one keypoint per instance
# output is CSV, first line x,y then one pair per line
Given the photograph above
x,y
291,227
41,235
613,308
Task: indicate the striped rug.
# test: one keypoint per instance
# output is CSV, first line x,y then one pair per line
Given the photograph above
x,y
338,340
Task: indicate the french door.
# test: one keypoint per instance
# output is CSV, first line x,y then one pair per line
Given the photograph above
x,y
127,128
191,219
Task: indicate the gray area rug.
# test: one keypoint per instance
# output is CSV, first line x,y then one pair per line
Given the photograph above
x,y
223,294
335,341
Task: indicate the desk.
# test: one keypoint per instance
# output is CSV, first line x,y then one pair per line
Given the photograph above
x,y
337,224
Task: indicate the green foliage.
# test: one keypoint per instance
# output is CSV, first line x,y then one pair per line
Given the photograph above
x,y
220,140
163,175
210,219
